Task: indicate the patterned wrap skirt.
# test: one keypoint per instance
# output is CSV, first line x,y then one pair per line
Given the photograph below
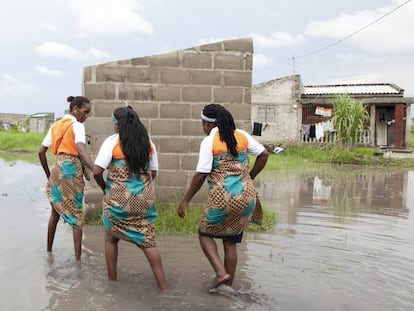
x,y
129,209
233,201
65,189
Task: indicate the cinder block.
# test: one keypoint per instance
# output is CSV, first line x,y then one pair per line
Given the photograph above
x,y
166,93
87,75
228,95
174,144
175,76
173,110
247,96
169,161
165,127
196,94
95,141
143,75
192,128
99,91
235,62
195,143
122,91
140,61
169,195
141,92
106,108
165,60
216,46
206,77
239,111
145,109
111,74
239,45
172,178
189,162
248,62
196,110
197,60
99,126
237,78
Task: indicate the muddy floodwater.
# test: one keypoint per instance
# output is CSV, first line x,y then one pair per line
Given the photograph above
x,y
344,240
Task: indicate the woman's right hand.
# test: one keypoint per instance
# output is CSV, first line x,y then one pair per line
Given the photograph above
x,y
181,209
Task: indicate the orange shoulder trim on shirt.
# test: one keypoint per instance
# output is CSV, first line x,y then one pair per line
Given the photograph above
x,y
117,152
221,146
63,138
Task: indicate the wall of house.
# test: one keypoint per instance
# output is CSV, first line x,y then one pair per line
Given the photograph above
x,y
169,91
276,105
12,117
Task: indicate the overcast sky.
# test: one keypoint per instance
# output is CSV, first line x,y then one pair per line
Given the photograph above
x,y
46,43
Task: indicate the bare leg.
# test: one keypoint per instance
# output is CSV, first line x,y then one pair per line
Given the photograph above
x,y
51,228
230,260
77,243
154,260
111,255
209,247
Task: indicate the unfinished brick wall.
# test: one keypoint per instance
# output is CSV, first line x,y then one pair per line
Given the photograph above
x,y
169,91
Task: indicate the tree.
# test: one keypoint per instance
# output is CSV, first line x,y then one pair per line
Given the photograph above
x,y
349,120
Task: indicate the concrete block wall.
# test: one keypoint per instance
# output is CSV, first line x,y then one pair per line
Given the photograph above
x,y
281,98
169,91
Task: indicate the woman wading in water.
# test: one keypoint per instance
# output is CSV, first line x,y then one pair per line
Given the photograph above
x,y
129,210
65,186
233,201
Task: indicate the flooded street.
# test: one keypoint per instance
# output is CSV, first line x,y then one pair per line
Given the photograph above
x,y
343,241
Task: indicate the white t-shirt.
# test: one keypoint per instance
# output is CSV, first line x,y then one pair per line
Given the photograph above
x,y
78,131
205,158
104,156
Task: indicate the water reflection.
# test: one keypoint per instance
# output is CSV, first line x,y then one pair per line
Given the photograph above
x,y
343,240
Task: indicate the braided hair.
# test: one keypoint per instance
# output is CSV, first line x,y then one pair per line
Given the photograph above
x,y
225,124
134,138
77,101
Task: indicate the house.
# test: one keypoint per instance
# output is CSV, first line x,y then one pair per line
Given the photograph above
x,y
40,122
289,111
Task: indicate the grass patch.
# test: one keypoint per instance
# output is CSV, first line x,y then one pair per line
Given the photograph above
x,y
19,141
168,222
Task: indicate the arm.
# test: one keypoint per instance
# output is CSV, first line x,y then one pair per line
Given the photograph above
x,y
196,183
84,156
259,164
97,174
43,160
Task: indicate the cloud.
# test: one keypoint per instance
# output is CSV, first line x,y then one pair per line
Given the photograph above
x,y
109,17
260,60
277,39
49,72
10,84
59,50
48,26
392,34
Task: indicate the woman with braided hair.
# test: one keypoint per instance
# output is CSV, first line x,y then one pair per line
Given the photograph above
x,y
233,202
129,210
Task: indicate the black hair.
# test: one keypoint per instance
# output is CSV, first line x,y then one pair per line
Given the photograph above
x,y
225,124
77,101
134,138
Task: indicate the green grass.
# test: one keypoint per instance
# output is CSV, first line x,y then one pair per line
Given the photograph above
x,y
21,146
168,222
411,142
18,141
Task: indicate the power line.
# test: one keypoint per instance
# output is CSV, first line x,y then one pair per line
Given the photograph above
x,y
353,33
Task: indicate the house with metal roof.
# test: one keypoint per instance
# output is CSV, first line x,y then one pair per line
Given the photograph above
x,y
286,110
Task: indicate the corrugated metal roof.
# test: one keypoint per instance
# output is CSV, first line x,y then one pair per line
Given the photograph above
x,y
352,89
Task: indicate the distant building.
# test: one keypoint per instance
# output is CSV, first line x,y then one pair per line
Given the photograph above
x,y
7,120
284,110
40,122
